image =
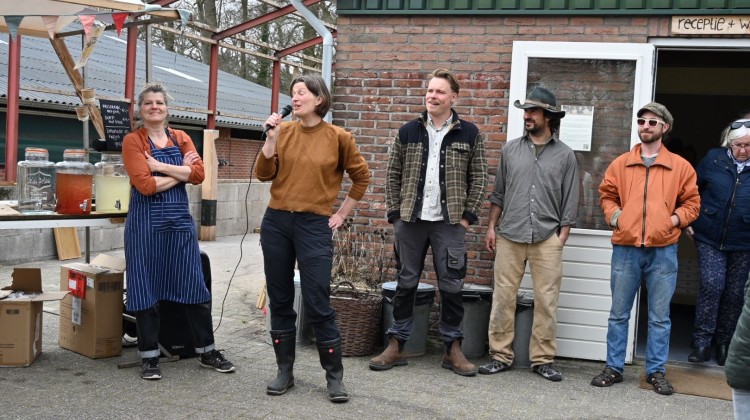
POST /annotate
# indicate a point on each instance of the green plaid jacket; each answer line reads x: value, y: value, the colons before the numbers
x: 463, y: 169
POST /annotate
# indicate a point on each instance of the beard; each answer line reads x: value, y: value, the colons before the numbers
x: 534, y: 129
x: 649, y: 138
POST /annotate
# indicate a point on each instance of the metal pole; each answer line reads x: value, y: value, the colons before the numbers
x: 11, y: 116
x: 327, y: 43
x: 149, y: 55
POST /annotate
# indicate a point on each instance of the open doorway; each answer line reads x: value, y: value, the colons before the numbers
x: 704, y: 89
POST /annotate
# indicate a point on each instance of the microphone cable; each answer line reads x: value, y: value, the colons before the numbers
x: 247, y: 227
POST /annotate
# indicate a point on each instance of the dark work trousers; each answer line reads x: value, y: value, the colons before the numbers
x: 199, y: 318
x: 286, y: 237
x: 449, y: 259
x: 721, y: 294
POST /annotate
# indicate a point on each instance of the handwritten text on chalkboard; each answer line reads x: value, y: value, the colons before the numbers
x: 116, y: 119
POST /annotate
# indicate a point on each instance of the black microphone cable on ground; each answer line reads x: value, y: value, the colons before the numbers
x: 283, y: 112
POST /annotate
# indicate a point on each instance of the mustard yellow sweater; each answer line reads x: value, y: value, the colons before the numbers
x: 309, y: 165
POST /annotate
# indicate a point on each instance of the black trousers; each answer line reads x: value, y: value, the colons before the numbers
x: 289, y: 237
x: 198, y: 316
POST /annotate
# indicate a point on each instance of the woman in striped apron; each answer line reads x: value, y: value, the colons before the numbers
x: 161, y: 246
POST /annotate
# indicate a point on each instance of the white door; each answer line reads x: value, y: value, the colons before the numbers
x: 614, y: 81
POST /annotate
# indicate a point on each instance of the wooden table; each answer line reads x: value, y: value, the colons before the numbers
x: 37, y: 221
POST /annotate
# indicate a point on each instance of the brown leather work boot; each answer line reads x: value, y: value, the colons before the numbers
x: 455, y: 360
x: 393, y: 355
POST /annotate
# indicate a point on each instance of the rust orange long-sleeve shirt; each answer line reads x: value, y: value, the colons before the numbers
x: 309, y: 165
x: 137, y: 142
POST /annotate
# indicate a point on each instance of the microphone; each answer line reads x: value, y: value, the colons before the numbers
x: 283, y: 113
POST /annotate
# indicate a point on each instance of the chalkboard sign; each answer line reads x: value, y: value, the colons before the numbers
x: 116, y: 119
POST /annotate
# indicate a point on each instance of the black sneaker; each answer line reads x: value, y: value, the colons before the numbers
x: 549, y: 372
x: 214, y: 359
x: 150, y: 368
x: 494, y: 366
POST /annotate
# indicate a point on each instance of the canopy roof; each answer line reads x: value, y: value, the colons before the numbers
x: 66, y: 12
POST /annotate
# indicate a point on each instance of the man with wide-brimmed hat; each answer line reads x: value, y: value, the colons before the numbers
x: 536, y: 193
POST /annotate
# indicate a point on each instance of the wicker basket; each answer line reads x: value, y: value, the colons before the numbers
x: 358, y: 316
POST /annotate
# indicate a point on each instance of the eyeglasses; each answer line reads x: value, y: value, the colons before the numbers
x: 745, y: 146
x: 651, y: 122
x: 737, y: 124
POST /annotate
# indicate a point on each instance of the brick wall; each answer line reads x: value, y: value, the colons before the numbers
x: 236, y: 157
x: 382, y: 63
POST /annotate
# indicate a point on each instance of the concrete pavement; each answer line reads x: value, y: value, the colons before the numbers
x: 63, y: 384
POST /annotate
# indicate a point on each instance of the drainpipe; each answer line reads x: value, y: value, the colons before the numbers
x: 327, y: 43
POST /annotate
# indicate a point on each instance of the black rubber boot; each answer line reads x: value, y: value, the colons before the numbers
x: 330, y: 359
x: 284, y: 345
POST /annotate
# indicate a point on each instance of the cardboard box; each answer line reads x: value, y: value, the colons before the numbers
x: 21, y: 317
x: 91, y: 315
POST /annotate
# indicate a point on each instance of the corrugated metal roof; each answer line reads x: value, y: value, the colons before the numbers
x: 105, y: 72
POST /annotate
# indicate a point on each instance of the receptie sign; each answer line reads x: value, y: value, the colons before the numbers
x: 711, y: 25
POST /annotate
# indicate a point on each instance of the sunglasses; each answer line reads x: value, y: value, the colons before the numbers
x: 737, y: 124
x: 649, y: 121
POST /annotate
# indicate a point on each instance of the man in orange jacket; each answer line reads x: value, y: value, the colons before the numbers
x: 648, y: 196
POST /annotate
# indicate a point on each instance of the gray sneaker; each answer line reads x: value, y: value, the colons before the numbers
x: 494, y: 366
x: 549, y: 372
x: 150, y: 368
x: 215, y: 359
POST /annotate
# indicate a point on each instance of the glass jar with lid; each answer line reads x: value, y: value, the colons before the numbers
x: 36, y: 183
x: 111, y: 184
x: 75, y: 178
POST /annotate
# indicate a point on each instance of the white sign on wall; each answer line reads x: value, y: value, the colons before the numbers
x: 577, y: 127
x: 711, y: 25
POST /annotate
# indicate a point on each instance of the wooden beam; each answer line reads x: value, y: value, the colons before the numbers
x: 238, y: 116
x: 210, y: 186
x: 69, y: 93
x: 75, y: 77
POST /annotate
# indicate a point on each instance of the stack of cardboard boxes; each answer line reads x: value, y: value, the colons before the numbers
x: 90, y: 311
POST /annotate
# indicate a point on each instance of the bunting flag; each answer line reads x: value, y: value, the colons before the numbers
x: 95, y: 32
x: 87, y: 18
x: 13, y: 23
x: 119, y: 19
x: 184, y: 16
x: 50, y: 22
x: 87, y: 21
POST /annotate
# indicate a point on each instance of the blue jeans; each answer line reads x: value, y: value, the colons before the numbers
x: 741, y: 398
x: 658, y: 267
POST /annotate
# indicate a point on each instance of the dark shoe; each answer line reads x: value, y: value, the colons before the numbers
x: 214, y: 359
x: 455, y: 360
x: 330, y: 360
x: 549, y: 372
x: 150, y: 368
x: 608, y: 377
x: 700, y: 354
x: 284, y: 346
x: 721, y: 354
x: 393, y: 355
x: 494, y: 366
x: 660, y: 383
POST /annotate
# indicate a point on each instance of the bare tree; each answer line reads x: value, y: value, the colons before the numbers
x: 261, y: 42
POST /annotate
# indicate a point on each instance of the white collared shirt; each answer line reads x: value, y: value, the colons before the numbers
x: 431, y: 209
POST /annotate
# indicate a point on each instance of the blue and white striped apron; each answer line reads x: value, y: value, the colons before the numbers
x: 161, y: 246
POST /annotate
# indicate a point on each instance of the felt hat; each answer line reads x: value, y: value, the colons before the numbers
x: 540, y: 97
x: 660, y: 110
